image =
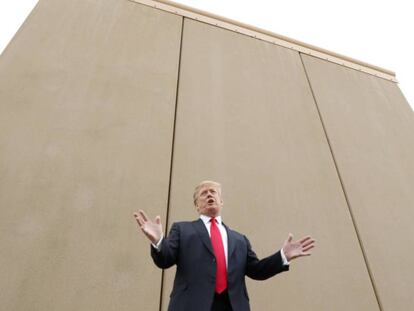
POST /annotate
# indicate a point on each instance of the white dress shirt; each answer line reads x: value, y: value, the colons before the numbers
x: 223, y: 231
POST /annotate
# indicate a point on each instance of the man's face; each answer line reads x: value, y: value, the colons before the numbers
x: 209, y: 202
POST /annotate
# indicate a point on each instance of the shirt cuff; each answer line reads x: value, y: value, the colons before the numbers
x: 158, y: 245
x: 285, y: 262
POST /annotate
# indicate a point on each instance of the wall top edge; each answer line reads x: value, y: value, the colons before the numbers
x: 265, y: 35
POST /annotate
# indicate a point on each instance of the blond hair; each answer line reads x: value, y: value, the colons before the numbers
x: 200, y: 185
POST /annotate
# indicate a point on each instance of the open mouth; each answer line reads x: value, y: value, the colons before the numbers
x: 210, y: 201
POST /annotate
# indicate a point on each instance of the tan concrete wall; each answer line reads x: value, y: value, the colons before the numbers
x: 87, y: 103
x: 254, y: 127
x: 87, y: 119
x: 371, y: 129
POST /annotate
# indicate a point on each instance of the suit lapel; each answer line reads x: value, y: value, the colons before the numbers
x: 203, y: 234
x: 231, y: 242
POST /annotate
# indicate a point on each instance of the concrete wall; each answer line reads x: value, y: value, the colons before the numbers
x: 111, y: 106
x: 87, y: 105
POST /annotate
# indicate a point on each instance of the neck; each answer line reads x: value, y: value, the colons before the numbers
x: 209, y: 216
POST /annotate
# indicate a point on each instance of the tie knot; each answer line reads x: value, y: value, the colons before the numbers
x: 213, y: 220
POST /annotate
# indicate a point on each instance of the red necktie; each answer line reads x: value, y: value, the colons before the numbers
x: 217, y: 242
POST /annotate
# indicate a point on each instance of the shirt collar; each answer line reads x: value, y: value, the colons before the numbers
x: 206, y: 219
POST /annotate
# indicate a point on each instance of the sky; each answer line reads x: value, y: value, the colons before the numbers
x: 375, y: 32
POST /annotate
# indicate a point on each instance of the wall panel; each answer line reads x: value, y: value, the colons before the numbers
x: 371, y: 129
x: 87, y: 99
x: 246, y: 118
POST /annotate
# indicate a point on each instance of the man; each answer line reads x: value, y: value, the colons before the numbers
x: 212, y: 260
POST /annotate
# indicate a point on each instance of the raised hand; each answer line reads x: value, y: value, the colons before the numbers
x: 152, y: 229
x: 299, y: 248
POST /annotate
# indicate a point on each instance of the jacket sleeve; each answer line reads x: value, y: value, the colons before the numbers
x: 264, y: 268
x: 167, y: 254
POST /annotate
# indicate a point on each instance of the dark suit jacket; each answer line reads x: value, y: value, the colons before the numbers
x: 189, y: 247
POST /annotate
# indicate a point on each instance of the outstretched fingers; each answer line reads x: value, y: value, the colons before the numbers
x: 304, y: 239
x: 143, y: 215
x: 308, y: 242
x: 306, y: 254
x: 139, y: 219
x: 142, y: 220
x: 309, y: 247
x: 298, y: 248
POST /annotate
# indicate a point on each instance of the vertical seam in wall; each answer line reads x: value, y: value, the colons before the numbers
x: 172, y: 152
x: 343, y: 189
